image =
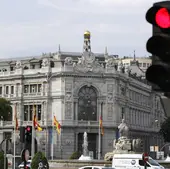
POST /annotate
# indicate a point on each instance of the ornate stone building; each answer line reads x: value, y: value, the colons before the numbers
x: 77, y: 88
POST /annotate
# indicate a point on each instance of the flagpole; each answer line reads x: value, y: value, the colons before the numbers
x: 99, y: 146
x: 52, y: 142
x: 15, y: 125
x: 33, y: 135
x: 52, y: 145
x: 14, y: 145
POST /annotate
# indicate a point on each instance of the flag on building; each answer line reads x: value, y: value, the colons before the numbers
x: 35, y: 122
x: 101, y: 125
x: 57, y: 124
x: 16, y: 118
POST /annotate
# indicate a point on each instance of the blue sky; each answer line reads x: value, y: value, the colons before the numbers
x: 31, y: 27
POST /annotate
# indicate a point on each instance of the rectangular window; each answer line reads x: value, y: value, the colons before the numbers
x: 39, y: 112
x: 26, y: 87
x: 7, y: 90
x: 30, y: 112
x: 39, y: 88
x: 144, y: 64
x: 11, y: 68
x: 0, y: 90
x: 123, y: 111
x: 33, y: 88
x: 25, y: 112
x: 12, y: 89
x: 140, y: 64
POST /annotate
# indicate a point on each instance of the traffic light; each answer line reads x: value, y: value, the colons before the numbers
x: 159, y: 45
x: 22, y: 134
x: 28, y: 134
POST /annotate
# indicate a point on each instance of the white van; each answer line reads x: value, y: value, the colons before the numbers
x: 133, y: 161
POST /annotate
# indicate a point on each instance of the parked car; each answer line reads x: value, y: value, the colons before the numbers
x: 28, y: 164
x: 96, y: 167
x: 133, y: 161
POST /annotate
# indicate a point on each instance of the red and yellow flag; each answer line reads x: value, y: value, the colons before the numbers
x: 101, y: 125
x: 57, y: 124
x: 35, y: 122
x: 16, y: 118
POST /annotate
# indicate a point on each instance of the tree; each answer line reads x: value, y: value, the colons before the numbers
x: 165, y: 130
x: 5, y: 109
x: 39, y: 157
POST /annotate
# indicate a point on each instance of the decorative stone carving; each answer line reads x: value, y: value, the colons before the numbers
x: 136, y: 144
x: 88, y: 63
x: 110, y: 63
x: 124, y: 144
x: 127, y: 70
x: 123, y: 91
x: 18, y: 64
x: 68, y: 97
x: 109, y: 97
x: 68, y: 61
x: 45, y: 62
x: 68, y: 110
x: 123, y: 129
x: 109, y: 88
x: 68, y: 87
x: 110, y: 109
x: 120, y: 67
x: 68, y: 142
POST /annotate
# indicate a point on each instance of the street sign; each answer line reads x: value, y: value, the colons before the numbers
x: 25, y: 155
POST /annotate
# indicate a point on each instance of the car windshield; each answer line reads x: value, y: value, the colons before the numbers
x: 153, y: 162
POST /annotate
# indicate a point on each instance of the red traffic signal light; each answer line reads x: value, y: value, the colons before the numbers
x: 159, y: 16
x: 162, y: 18
x: 28, y: 128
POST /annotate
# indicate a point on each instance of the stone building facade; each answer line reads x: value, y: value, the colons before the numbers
x: 78, y: 88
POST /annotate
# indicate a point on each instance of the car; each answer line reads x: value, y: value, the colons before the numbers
x: 28, y: 165
x: 96, y: 167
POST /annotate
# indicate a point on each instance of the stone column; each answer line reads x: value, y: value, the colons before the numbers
x: 76, y: 141
x: 42, y: 113
x: 28, y: 114
x: 76, y: 109
x: 1, y: 135
x: 45, y: 113
x: 3, y: 90
x: 20, y: 110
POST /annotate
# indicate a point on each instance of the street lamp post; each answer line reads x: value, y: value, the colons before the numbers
x: 48, y: 78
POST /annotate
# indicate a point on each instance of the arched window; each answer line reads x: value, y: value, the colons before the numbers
x: 87, y: 104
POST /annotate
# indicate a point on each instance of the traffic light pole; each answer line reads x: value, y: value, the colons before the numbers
x: 33, y: 141
x: 5, y: 155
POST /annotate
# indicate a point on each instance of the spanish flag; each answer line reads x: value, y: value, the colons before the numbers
x: 57, y: 124
x: 101, y: 125
x: 16, y: 118
x: 35, y: 122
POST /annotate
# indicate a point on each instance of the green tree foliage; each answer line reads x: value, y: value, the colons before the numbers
x: 165, y: 130
x: 75, y: 155
x: 5, y: 109
x: 2, y: 161
x: 39, y: 157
